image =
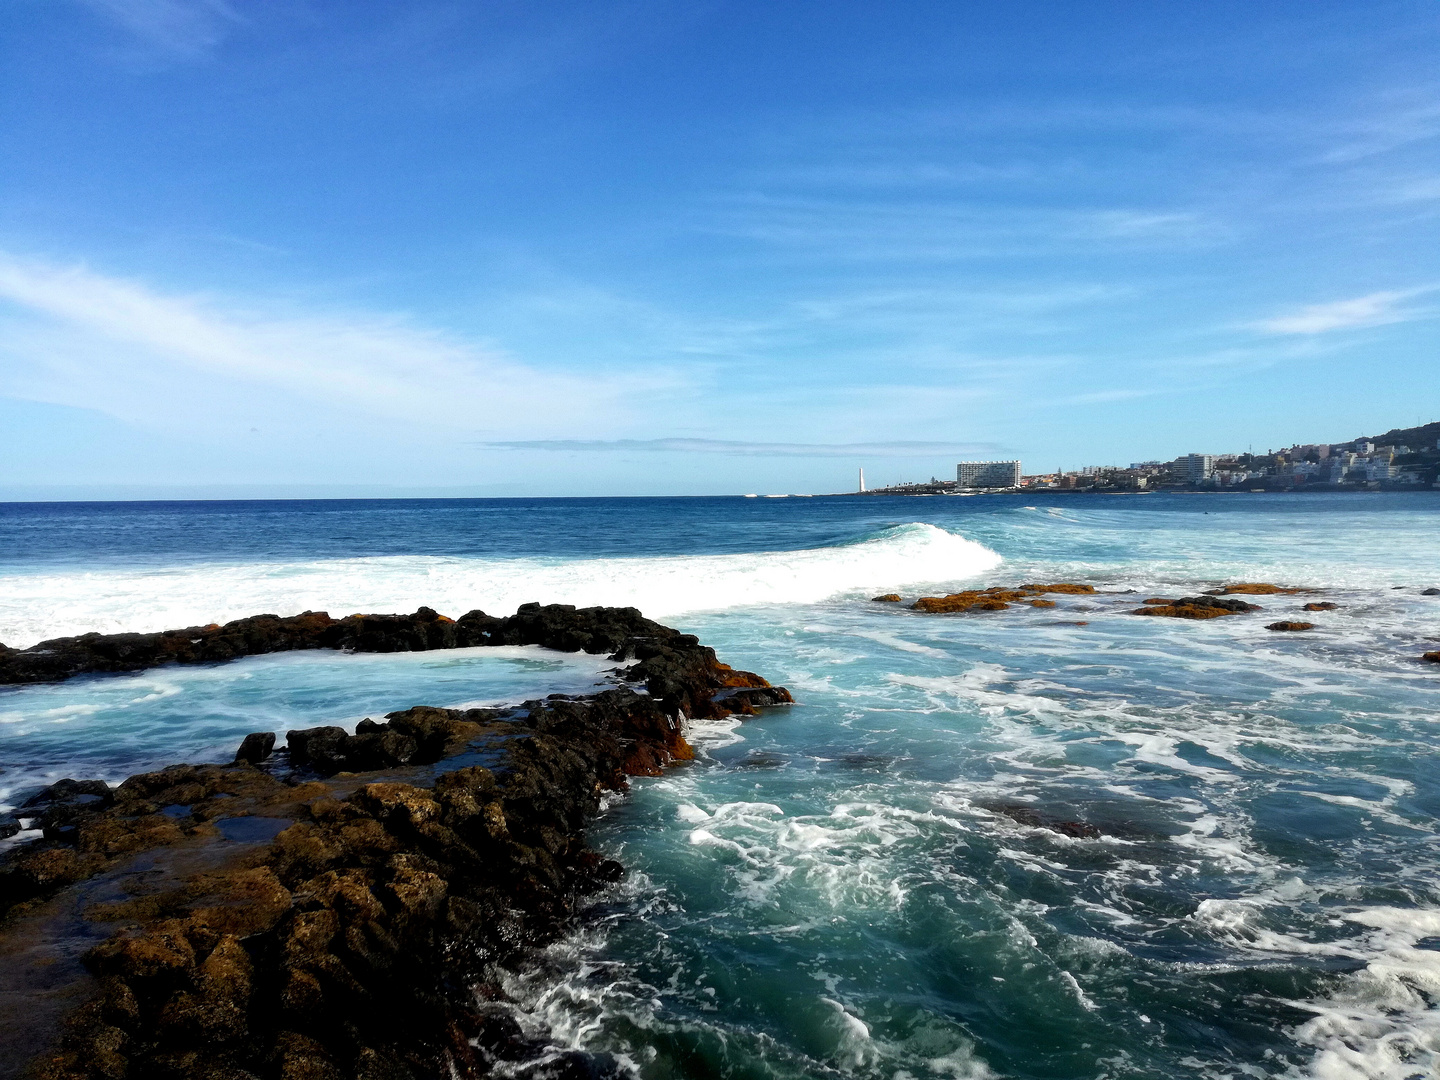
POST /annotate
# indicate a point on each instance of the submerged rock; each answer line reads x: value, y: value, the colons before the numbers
x: 1255, y: 589
x: 1284, y: 626
x: 1324, y: 605
x: 1035, y: 818
x: 1430, y: 592
x: 1433, y: 657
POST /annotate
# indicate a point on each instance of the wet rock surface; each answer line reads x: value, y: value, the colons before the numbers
x: 1290, y: 626
x: 555, y: 626
x: 1207, y: 606
x: 347, y: 909
x: 996, y: 598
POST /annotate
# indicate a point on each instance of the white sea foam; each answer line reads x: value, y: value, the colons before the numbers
x: 36, y: 605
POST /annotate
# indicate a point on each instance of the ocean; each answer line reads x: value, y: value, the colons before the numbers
x: 876, y: 882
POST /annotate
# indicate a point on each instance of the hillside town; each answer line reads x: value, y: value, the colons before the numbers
x: 1402, y: 459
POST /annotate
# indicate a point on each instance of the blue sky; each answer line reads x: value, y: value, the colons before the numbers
x: 312, y: 247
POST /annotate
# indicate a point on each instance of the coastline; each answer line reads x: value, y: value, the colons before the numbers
x: 295, y: 915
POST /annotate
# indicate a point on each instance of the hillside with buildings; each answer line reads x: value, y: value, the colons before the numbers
x: 1400, y: 459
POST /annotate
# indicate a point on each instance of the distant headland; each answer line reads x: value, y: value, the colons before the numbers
x: 1403, y: 459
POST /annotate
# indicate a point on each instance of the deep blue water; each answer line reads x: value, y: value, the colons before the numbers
x: 843, y: 888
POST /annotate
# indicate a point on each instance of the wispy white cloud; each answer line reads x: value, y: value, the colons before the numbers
x: 1373, y: 309
x: 77, y: 337
x: 749, y: 449
x: 186, y: 27
x: 1399, y: 120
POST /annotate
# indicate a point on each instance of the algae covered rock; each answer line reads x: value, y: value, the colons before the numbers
x: 1198, y: 607
x: 996, y: 598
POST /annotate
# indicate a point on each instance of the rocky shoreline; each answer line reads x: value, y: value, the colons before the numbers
x: 345, y: 906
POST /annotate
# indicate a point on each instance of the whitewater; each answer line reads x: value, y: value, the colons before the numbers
x: 869, y: 884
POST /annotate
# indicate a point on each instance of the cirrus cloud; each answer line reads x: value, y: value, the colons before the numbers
x: 1372, y: 309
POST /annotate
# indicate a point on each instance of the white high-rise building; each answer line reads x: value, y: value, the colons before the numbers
x: 999, y: 474
x: 1199, y: 467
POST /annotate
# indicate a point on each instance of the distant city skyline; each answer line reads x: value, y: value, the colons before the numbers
x: 313, y: 248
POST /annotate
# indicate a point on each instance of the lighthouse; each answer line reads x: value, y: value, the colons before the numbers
x: 862, y: 479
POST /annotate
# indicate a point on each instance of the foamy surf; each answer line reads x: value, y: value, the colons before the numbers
x: 35, y: 606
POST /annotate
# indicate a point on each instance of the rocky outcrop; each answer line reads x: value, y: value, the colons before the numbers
x: 1324, y: 605
x: 1290, y: 627
x: 556, y: 626
x: 299, y: 920
x: 1196, y: 607
x: 888, y: 598
x: 996, y: 598
x: 1433, y: 657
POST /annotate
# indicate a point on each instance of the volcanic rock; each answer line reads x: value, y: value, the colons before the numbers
x: 1198, y: 607
x: 256, y: 747
x: 1290, y: 626
x: 995, y: 598
x: 1324, y: 605
x: 291, y: 927
x: 888, y: 598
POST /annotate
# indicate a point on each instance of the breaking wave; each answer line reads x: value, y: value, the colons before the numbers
x: 34, y: 606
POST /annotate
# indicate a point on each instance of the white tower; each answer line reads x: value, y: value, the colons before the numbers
x: 862, y: 479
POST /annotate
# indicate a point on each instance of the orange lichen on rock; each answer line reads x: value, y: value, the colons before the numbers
x: 888, y: 598
x: 1323, y: 606
x: 1197, y: 607
x: 1288, y: 626
x: 729, y: 677
x: 1433, y: 657
x: 994, y: 598
x: 1251, y: 588
x: 1182, y: 611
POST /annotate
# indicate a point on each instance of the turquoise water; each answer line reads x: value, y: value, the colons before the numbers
x: 843, y: 888
x: 111, y: 726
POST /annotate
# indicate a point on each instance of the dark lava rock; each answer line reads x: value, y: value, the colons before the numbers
x: 60, y: 808
x: 1324, y: 605
x: 1198, y: 607
x: 1433, y: 657
x: 1431, y: 592
x: 888, y: 598
x: 256, y: 747
x: 556, y: 626
x: 351, y: 942
x: 1290, y: 626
